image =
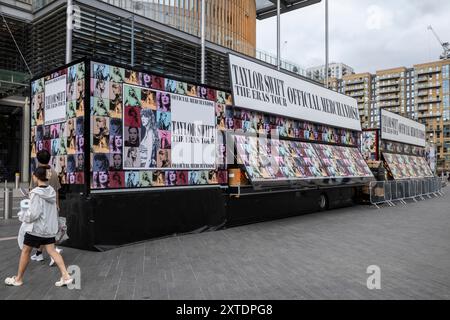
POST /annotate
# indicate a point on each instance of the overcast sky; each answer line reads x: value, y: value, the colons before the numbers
x: 366, y: 35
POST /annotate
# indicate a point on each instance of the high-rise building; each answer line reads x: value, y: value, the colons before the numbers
x: 432, y: 106
x: 231, y: 24
x: 335, y: 70
x: 420, y: 93
x: 390, y: 85
x: 359, y: 86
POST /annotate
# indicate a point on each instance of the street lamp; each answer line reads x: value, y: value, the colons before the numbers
x: 326, y: 43
x: 278, y: 35
x: 203, y: 41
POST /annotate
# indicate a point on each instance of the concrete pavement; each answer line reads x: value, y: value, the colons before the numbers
x: 316, y: 256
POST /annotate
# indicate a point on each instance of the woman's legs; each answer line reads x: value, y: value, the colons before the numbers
x: 23, y: 262
x: 50, y: 248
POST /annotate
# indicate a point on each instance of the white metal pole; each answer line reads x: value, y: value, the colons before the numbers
x: 203, y: 42
x: 278, y: 36
x: 132, y: 39
x: 326, y: 43
x: 26, y: 141
x: 69, y: 28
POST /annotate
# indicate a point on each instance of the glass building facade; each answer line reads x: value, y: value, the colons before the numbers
x: 229, y: 23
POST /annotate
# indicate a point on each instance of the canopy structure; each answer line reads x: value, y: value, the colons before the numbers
x: 268, y: 8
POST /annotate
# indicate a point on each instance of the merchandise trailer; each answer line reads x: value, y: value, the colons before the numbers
x: 400, y: 144
x: 143, y: 156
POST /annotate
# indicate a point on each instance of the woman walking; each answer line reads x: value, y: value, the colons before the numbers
x: 41, y: 227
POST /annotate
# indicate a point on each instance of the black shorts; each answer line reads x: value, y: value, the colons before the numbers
x: 36, y: 242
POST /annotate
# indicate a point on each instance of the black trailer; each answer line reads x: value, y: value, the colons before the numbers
x: 143, y: 156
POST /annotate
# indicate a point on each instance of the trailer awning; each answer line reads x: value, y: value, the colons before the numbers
x: 290, y: 162
x: 403, y: 166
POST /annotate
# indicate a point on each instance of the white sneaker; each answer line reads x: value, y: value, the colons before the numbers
x: 35, y: 257
x: 52, y: 262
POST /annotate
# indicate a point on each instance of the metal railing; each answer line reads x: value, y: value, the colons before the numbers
x: 390, y: 192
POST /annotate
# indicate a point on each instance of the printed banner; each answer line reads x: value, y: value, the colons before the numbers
x: 264, y: 89
x: 167, y: 130
x: 401, y: 129
x: 369, y: 145
x: 55, y: 100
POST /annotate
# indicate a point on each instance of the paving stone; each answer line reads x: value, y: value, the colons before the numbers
x: 317, y: 256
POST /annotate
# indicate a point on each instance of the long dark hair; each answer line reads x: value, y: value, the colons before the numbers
x: 41, y: 173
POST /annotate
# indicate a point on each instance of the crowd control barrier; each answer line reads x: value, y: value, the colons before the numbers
x: 399, y: 191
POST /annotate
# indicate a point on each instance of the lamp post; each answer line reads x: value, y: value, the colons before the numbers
x: 278, y: 36
x: 326, y: 43
x: 132, y: 39
x: 69, y: 31
x: 203, y: 41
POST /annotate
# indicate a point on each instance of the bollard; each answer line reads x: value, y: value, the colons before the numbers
x: 17, y: 180
x: 8, y: 203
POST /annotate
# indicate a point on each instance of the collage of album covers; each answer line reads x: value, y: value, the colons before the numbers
x: 401, y: 166
x: 369, y: 145
x: 132, y: 129
x: 266, y: 159
x: 243, y: 121
x: 64, y: 137
x: 401, y: 148
x: 343, y: 162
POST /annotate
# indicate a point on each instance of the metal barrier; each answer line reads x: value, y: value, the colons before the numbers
x: 389, y: 192
x: 377, y: 190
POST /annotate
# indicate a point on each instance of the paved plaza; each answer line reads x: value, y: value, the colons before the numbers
x: 317, y: 256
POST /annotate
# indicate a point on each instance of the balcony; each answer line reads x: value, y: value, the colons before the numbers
x: 431, y: 130
x: 356, y: 94
x: 354, y: 81
x: 423, y: 108
x: 362, y: 104
x: 390, y: 90
x: 431, y: 100
x: 353, y: 88
x: 382, y: 84
x: 427, y: 115
x: 389, y: 104
x: 389, y: 97
x: 428, y: 71
x: 422, y: 79
x: 389, y: 76
x: 360, y: 100
x: 429, y: 85
x: 422, y: 93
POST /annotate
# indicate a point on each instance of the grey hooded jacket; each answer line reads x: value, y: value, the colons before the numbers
x: 43, y: 213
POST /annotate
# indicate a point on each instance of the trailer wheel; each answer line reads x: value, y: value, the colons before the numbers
x: 323, y: 202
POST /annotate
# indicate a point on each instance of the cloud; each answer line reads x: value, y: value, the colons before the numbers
x: 378, y: 18
x: 368, y: 35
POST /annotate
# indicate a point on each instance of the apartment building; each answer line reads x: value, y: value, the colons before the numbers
x: 335, y: 70
x: 391, y: 90
x: 359, y: 86
x: 433, y: 106
x: 420, y: 93
x: 335, y: 84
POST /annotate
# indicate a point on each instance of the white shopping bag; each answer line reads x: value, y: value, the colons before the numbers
x: 25, y: 227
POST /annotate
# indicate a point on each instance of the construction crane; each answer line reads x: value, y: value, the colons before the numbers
x: 445, y: 45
